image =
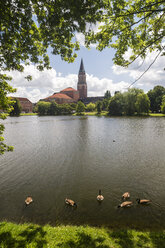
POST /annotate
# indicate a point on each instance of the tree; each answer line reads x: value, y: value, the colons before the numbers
x: 155, y: 97
x: 16, y: 108
x: 80, y: 107
x: 5, y: 107
x: 99, y: 107
x: 90, y: 107
x: 138, y: 25
x: 107, y: 94
x: 163, y: 105
x: 43, y: 107
x: 64, y: 109
x: 116, y: 105
x: 142, y: 103
x: 130, y: 98
x: 53, y: 108
x: 105, y: 103
x: 28, y: 28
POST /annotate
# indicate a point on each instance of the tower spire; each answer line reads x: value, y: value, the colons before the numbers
x: 82, y: 66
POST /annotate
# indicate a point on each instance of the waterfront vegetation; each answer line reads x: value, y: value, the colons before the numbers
x: 130, y: 103
x: 34, y: 236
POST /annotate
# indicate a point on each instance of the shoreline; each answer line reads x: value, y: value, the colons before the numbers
x: 104, y: 113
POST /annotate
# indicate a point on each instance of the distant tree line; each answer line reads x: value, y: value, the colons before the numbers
x: 52, y: 108
x: 132, y: 102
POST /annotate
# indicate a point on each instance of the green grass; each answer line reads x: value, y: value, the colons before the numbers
x: 103, y: 113
x: 156, y: 115
x: 35, y: 236
x: 24, y: 114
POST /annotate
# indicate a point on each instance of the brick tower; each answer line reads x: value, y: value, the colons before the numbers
x: 82, y: 85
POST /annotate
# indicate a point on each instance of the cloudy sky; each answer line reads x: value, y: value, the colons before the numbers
x: 101, y: 74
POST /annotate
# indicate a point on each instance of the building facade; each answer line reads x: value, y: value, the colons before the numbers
x: 26, y: 104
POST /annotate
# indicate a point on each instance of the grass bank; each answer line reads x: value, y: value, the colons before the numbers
x: 26, y: 114
x: 35, y: 236
x: 157, y: 115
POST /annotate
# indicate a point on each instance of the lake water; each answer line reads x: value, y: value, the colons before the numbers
x: 74, y: 157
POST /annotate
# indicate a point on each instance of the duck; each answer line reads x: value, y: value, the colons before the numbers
x: 143, y: 201
x: 126, y: 195
x: 28, y: 200
x: 70, y: 202
x: 100, y: 197
x: 125, y: 204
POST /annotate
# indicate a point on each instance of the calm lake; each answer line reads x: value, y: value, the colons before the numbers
x: 74, y: 157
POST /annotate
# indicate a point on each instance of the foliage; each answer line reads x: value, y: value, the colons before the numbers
x: 116, y: 105
x: 99, y: 106
x: 155, y: 97
x: 130, y: 98
x: 142, y: 104
x: 107, y: 94
x: 5, y: 107
x: 43, y: 107
x: 105, y: 103
x: 73, y: 106
x: 90, y: 107
x: 80, y: 107
x: 31, y: 235
x: 163, y: 105
x: 64, y: 109
x: 138, y: 25
x: 16, y: 108
x: 29, y: 27
x: 53, y: 108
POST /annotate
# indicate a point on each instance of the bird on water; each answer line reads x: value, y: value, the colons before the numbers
x: 143, y: 201
x: 126, y: 195
x: 100, y: 197
x: 28, y: 200
x: 125, y: 204
x: 70, y: 202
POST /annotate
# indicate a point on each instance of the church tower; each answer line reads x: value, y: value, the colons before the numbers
x: 82, y: 85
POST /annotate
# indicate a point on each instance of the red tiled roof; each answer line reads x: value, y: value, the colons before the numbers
x: 68, y: 89
x: 59, y: 95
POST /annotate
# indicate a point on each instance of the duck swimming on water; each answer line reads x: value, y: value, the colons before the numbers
x: 70, y: 202
x: 143, y: 201
x: 100, y: 197
x: 125, y: 204
x: 126, y: 195
x: 28, y: 200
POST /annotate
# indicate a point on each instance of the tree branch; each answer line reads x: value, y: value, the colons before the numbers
x: 147, y: 68
x: 145, y: 49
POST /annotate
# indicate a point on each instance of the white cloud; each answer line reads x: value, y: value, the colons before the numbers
x: 47, y: 82
x: 154, y: 76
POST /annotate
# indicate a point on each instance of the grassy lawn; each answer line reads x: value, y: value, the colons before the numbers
x: 156, y: 115
x: 103, y: 113
x: 24, y: 114
x: 30, y: 236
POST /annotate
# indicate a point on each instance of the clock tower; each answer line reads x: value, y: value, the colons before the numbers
x: 82, y: 85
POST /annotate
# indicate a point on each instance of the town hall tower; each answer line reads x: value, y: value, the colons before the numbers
x: 82, y: 85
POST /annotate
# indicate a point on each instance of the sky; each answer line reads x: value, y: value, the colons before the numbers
x: 101, y: 74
